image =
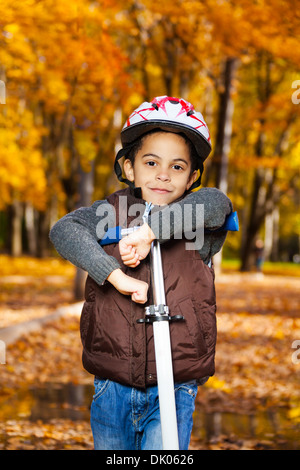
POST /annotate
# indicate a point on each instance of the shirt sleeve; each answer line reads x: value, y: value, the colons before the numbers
x: 75, y: 237
x: 213, y: 205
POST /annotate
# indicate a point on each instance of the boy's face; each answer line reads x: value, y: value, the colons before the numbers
x: 162, y: 168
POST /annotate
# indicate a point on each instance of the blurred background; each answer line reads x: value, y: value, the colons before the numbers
x: 70, y: 74
x: 73, y: 72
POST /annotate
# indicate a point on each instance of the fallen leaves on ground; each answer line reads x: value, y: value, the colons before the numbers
x: 257, y: 367
x: 255, y: 376
x: 33, y: 288
x: 54, y: 435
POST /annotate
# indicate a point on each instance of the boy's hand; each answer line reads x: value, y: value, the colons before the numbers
x: 129, y: 286
x: 136, y: 246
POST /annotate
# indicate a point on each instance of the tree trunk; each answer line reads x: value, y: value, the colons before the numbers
x: 265, y: 196
x: 30, y: 229
x: 224, y: 125
x: 223, y: 139
x: 43, y: 244
x: 262, y: 203
x: 275, y: 247
x: 272, y: 235
x: 16, y: 213
x: 86, y: 188
x: 259, y: 198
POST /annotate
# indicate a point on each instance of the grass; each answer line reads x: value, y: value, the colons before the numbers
x: 27, y: 265
x: 30, y: 266
x: 280, y: 268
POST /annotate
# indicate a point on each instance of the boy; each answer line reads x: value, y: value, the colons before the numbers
x: 164, y: 144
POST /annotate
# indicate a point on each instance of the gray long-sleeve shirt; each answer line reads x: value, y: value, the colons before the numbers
x: 76, y: 236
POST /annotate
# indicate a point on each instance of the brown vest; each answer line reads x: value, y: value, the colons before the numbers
x: 118, y: 348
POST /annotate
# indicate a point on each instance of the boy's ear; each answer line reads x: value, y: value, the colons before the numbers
x: 192, y: 179
x: 128, y: 170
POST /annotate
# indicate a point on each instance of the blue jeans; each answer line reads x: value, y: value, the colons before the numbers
x: 126, y: 418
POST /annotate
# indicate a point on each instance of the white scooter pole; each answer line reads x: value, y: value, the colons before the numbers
x: 163, y: 358
x: 158, y: 315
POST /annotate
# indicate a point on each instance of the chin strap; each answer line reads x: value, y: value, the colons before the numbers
x: 117, y: 167
x: 198, y: 181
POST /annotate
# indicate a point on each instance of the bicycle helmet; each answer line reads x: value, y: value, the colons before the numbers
x: 169, y: 114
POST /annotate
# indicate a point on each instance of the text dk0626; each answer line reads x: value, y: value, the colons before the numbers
x: 169, y: 459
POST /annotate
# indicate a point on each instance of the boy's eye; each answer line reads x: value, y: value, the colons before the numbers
x: 177, y: 167
x: 153, y: 163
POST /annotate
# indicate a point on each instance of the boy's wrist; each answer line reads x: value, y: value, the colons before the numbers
x: 115, y: 276
x: 147, y: 232
x: 129, y: 286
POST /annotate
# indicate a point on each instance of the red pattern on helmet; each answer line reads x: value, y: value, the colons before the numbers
x: 185, y: 106
x: 201, y: 125
x: 160, y: 103
x: 139, y: 113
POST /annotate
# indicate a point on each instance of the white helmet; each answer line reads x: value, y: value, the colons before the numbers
x: 170, y: 114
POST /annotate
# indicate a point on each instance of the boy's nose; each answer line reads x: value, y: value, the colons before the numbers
x: 163, y: 176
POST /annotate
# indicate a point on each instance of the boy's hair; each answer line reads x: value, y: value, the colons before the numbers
x: 139, y: 142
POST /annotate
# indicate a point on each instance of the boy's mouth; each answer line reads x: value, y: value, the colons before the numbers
x: 160, y: 190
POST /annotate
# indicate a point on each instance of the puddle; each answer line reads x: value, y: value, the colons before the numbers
x: 54, y: 401
x: 272, y: 428
x: 72, y: 402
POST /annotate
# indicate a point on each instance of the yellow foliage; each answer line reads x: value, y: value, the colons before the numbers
x: 218, y: 384
x: 86, y: 148
x: 30, y: 266
x: 294, y: 413
x: 69, y: 65
x: 22, y: 171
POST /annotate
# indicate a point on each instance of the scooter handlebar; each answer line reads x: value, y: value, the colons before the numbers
x: 231, y: 223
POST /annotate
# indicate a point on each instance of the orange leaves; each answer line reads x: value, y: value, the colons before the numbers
x: 78, y: 61
x: 257, y: 25
x: 257, y: 324
x: 57, y: 434
x: 58, y: 59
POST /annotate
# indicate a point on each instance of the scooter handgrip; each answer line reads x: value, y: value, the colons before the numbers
x: 231, y: 223
x: 113, y: 235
